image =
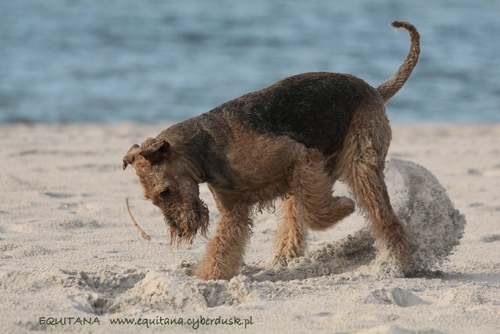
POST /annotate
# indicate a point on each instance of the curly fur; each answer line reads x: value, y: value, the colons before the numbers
x: 291, y: 140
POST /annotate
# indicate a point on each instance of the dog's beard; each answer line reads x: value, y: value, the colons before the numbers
x: 186, y: 221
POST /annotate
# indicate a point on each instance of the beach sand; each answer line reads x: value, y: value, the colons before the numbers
x: 71, y: 261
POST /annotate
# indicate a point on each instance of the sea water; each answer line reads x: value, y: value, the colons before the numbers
x: 155, y: 60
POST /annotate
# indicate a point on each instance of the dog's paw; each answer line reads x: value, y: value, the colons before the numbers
x: 278, y: 261
x: 385, y: 266
x: 346, y: 203
x: 208, y: 270
x: 208, y: 275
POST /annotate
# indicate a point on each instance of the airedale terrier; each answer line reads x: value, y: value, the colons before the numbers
x: 292, y: 140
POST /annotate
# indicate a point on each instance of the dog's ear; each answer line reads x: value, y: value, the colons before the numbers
x: 156, y: 151
x: 130, y: 156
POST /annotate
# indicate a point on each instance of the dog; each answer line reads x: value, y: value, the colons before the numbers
x: 291, y: 141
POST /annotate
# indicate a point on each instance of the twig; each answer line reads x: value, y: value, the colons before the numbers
x: 141, y: 231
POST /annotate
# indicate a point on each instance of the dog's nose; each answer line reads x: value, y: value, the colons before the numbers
x: 179, y: 233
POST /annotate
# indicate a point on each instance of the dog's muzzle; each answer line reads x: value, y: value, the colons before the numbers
x: 173, y: 224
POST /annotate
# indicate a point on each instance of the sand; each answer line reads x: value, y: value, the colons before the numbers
x: 71, y: 260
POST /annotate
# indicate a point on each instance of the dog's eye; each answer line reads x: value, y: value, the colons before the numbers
x: 164, y: 194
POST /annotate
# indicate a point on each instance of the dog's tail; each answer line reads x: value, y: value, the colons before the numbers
x: 389, y: 88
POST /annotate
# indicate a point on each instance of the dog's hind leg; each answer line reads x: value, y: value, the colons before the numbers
x: 225, y: 250
x: 292, y: 232
x: 363, y: 161
x: 313, y: 188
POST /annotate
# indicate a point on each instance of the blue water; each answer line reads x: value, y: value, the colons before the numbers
x: 150, y: 60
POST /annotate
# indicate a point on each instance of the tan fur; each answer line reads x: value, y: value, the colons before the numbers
x: 312, y: 188
x: 251, y: 157
x: 292, y: 232
x: 390, y: 87
x: 362, y: 164
x: 225, y: 250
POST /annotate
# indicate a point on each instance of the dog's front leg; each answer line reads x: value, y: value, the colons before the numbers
x: 225, y: 250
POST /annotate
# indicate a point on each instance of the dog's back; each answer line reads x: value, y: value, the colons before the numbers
x: 314, y: 109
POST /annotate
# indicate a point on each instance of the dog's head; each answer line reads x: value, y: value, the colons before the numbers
x: 171, y: 183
